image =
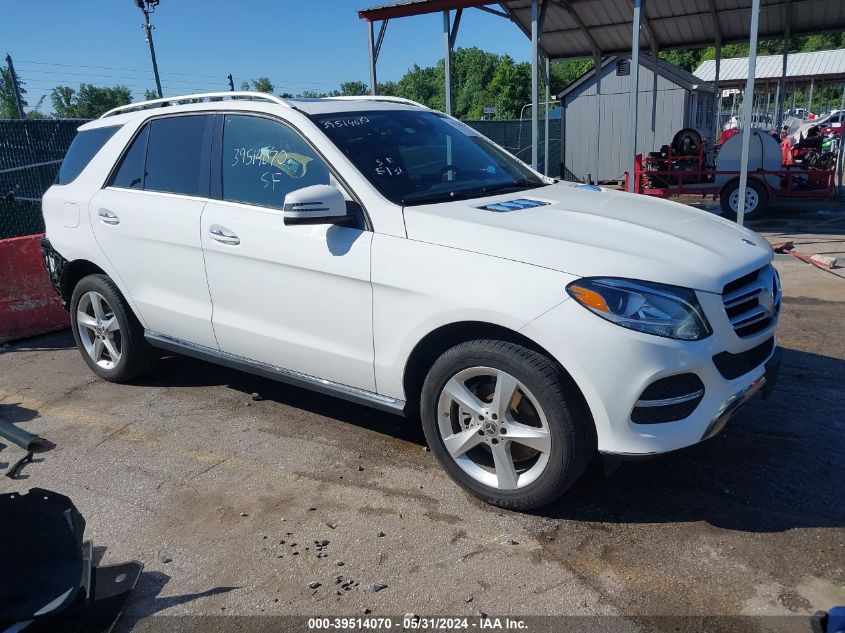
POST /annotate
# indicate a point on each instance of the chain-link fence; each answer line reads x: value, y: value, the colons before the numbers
x: 30, y: 155
x: 515, y: 136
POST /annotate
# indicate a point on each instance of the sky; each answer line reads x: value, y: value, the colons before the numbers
x: 299, y: 44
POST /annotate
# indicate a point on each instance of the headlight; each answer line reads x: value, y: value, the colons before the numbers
x: 643, y: 306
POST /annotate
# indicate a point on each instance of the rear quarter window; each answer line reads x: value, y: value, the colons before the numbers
x: 83, y: 148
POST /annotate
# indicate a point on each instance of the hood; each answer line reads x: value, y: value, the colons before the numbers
x: 588, y: 231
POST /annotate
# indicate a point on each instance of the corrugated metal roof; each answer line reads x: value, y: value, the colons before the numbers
x: 798, y: 65
x: 673, y: 73
x: 667, y: 23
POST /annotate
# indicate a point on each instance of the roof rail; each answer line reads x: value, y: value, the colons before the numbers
x: 379, y: 98
x: 141, y: 105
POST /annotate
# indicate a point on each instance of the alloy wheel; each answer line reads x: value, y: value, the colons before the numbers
x: 494, y: 428
x: 99, y: 330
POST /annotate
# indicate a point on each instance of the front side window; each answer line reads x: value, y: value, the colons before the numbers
x: 264, y: 160
x: 417, y: 157
x: 84, y: 147
x: 174, y: 154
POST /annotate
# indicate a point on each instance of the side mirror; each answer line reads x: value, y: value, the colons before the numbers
x: 318, y: 204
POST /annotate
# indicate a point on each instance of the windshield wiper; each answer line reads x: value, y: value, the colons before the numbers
x: 472, y: 192
x: 443, y: 196
x: 520, y: 183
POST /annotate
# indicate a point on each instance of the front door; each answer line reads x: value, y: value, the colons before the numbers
x: 295, y: 297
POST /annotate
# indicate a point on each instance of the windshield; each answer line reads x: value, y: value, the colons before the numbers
x: 418, y: 157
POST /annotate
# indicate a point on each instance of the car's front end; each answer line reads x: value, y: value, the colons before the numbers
x: 661, y: 382
x: 664, y: 316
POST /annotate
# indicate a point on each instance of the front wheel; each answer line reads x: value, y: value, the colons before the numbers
x: 505, y: 423
x: 756, y: 200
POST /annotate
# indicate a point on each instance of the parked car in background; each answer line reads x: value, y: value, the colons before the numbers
x: 378, y: 251
x: 799, y: 113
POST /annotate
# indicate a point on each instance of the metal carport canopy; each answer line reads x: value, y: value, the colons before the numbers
x: 580, y: 28
x: 560, y: 29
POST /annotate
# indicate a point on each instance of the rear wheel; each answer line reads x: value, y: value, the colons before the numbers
x: 505, y: 423
x: 109, y: 337
x: 756, y: 200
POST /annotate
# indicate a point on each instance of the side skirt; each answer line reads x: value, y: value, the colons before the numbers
x: 298, y: 379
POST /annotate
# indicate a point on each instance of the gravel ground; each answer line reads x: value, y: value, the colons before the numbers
x: 239, y: 506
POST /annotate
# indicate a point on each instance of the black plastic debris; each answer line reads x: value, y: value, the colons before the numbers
x: 49, y: 582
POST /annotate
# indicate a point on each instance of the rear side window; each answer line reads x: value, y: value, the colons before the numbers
x: 174, y: 154
x: 130, y: 173
x: 83, y: 148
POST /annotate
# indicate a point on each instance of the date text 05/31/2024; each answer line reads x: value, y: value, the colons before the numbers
x: 410, y: 622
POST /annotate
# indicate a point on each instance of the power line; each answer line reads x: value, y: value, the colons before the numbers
x: 133, y: 70
x: 183, y: 74
x: 118, y: 77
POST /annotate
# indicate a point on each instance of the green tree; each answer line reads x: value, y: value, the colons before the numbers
x: 149, y: 95
x: 387, y: 88
x: 509, y: 88
x: 89, y: 101
x: 8, y: 104
x: 353, y: 88
x: 424, y: 85
x: 262, y: 84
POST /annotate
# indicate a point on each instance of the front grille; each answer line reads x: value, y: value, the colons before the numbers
x: 735, y: 365
x: 668, y: 399
x: 752, y: 302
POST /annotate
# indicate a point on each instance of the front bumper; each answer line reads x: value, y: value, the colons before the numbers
x: 613, y: 366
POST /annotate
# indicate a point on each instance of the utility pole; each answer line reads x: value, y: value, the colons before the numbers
x: 14, y: 78
x: 148, y: 8
x: 231, y: 82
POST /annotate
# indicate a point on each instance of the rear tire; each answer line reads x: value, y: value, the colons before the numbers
x: 107, y: 333
x: 756, y: 200
x: 519, y: 451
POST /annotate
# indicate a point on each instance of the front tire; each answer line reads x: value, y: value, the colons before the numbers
x: 505, y: 423
x: 107, y: 333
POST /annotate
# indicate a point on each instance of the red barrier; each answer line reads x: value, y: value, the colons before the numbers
x: 28, y: 303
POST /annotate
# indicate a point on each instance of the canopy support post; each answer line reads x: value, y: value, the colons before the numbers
x: 747, y: 104
x: 717, y: 92
x: 768, y: 97
x: 787, y: 20
x: 535, y: 37
x: 597, y: 66
x: 810, y: 98
x: 634, y: 94
x: 447, y: 61
x: 841, y: 151
x: 372, y: 47
x: 546, y: 130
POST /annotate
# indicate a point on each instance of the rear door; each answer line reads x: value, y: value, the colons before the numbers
x: 147, y: 221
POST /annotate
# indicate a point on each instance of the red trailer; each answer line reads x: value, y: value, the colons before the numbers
x: 689, y: 167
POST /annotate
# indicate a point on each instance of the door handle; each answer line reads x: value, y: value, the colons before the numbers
x: 107, y: 217
x: 223, y: 235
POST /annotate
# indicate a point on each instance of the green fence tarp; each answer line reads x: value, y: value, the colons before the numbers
x: 515, y: 136
x: 30, y: 155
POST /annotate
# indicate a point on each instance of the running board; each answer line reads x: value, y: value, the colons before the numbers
x: 298, y: 379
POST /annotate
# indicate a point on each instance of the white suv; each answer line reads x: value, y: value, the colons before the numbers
x: 375, y: 250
